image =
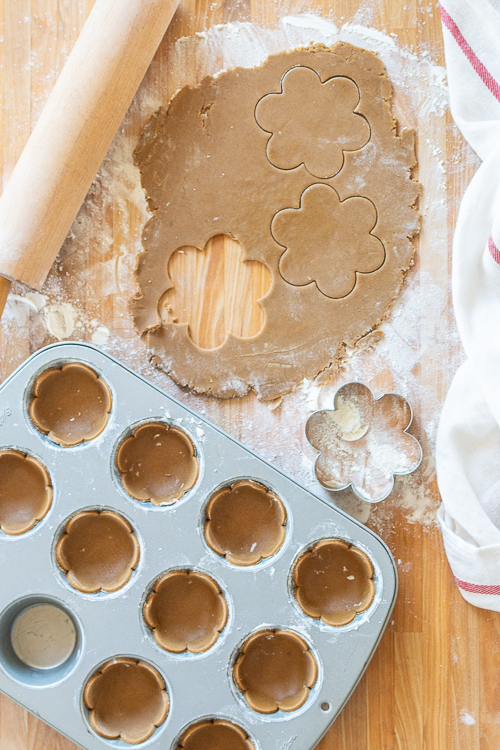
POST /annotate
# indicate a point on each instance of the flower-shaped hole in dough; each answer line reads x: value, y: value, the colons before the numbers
x: 215, y: 734
x: 98, y: 551
x: 215, y: 292
x: 245, y: 522
x: 328, y: 241
x: 70, y: 404
x: 312, y: 123
x: 333, y: 581
x: 275, y: 670
x: 363, y: 442
x: 127, y: 700
x: 186, y: 611
x: 157, y: 463
x: 25, y: 492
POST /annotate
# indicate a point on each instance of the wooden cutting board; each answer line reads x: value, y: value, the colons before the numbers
x: 434, y: 681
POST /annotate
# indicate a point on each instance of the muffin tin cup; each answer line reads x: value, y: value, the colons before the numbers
x: 172, y: 537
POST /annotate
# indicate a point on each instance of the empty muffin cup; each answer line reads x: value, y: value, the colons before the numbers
x: 275, y: 670
x: 43, y: 636
x: 215, y: 734
x: 98, y: 551
x: 25, y: 491
x: 127, y: 699
x: 245, y: 522
x: 186, y: 611
x: 333, y: 581
x: 157, y: 463
x: 70, y: 404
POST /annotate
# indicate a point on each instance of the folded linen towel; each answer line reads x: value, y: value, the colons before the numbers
x: 468, y: 442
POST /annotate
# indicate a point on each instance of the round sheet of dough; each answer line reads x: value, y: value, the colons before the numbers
x: 299, y: 161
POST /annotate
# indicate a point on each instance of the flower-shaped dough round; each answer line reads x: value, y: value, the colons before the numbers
x: 328, y: 241
x: 25, y: 492
x: 333, y: 581
x: 363, y: 442
x: 127, y: 699
x: 275, y: 670
x: 98, y: 551
x: 215, y: 734
x: 157, y: 463
x: 70, y: 404
x: 186, y: 611
x: 245, y: 522
x: 312, y: 122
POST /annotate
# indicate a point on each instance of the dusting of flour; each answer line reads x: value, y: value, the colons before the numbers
x: 87, y: 293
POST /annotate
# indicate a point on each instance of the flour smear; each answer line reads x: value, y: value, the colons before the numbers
x: 98, y: 249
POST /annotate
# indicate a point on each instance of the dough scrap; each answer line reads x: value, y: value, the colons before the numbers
x: 205, y: 168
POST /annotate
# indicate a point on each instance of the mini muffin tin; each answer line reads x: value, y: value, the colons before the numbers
x: 259, y: 596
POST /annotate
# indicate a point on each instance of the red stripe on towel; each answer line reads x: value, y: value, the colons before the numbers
x: 477, y: 588
x: 476, y: 63
x: 494, y: 251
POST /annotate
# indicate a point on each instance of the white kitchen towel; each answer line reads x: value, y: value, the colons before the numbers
x: 468, y: 442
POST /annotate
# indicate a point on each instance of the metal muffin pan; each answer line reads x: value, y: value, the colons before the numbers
x: 108, y: 625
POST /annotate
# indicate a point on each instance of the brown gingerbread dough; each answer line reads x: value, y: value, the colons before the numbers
x: 127, y: 699
x: 25, y: 492
x: 98, y: 551
x: 275, y: 671
x: 186, y: 611
x: 70, y: 404
x: 157, y: 463
x: 215, y: 734
x: 334, y: 581
x: 299, y: 160
x: 245, y: 522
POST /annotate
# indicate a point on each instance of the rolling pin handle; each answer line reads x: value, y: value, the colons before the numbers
x: 5, y: 285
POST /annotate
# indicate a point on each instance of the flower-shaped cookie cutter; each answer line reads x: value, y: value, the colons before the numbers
x: 363, y: 442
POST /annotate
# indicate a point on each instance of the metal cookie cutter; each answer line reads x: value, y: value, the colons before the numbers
x: 363, y: 442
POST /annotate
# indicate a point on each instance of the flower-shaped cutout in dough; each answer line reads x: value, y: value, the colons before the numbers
x: 275, y: 670
x: 363, y: 442
x: 127, y: 700
x: 186, y: 611
x: 328, y: 241
x: 333, y: 581
x: 215, y: 292
x: 312, y: 122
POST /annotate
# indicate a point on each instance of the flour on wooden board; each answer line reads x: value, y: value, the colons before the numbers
x: 105, y: 250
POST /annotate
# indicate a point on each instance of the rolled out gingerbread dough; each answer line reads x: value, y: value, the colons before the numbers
x: 300, y: 161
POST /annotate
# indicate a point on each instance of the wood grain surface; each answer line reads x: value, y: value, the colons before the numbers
x: 433, y: 683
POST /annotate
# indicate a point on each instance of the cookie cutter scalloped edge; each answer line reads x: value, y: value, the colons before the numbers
x: 396, y: 473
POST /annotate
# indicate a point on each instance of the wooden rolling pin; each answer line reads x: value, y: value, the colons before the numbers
x: 74, y: 131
